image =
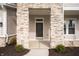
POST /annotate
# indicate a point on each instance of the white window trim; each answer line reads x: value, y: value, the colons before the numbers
x: 70, y: 37
x: 39, y: 22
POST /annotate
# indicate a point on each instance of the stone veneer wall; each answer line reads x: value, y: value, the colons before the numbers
x: 22, y: 25
x: 57, y: 22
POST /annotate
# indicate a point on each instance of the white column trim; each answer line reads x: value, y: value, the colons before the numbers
x: 5, y: 21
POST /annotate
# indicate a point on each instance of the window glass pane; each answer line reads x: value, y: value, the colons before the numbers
x: 70, y: 22
x: 1, y: 24
x: 39, y: 19
x: 71, y: 30
x: 71, y: 27
x: 64, y: 28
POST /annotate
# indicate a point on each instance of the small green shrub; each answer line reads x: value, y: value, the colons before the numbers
x: 19, y: 48
x: 60, y: 48
x: 12, y: 40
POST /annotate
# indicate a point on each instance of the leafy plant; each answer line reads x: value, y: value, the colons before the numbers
x: 19, y: 48
x: 60, y: 48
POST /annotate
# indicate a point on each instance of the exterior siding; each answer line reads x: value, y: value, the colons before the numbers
x: 9, y: 27
x: 11, y: 21
x: 54, y: 29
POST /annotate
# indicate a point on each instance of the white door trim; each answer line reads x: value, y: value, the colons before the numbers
x: 39, y: 22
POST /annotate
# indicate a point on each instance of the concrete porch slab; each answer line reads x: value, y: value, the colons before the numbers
x: 38, y: 52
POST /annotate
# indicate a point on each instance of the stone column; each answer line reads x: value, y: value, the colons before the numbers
x: 57, y: 24
x: 22, y: 25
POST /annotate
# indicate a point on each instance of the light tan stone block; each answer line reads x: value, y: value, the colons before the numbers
x: 2, y: 42
x: 26, y: 45
x: 68, y: 43
x: 55, y: 43
x: 76, y: 43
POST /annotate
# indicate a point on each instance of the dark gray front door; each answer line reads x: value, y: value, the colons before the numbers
x: 39, y: 29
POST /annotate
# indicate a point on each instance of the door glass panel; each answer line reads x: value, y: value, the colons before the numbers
x: 39, y: 29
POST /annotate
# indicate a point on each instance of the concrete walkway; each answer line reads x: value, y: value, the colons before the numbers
x: 38, y: 52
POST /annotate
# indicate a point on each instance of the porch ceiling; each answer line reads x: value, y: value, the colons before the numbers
x: 38, y: 11
x: 71, y: 12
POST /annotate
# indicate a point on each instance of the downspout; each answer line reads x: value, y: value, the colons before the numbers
x: 50, y: 34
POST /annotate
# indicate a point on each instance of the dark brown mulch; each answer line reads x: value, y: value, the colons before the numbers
x: 69, y: 51
x: 10, y: 50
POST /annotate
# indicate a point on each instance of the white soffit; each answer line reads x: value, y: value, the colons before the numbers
x: 71, y: 8
x: 71, y: 12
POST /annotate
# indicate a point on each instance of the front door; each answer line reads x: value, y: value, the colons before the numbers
x: 39, y: 29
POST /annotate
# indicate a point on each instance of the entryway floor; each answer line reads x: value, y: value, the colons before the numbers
x: 38, y: 52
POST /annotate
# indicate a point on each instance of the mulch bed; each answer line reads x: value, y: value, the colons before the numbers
x: 69, y: 51
x: 10, y: 50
